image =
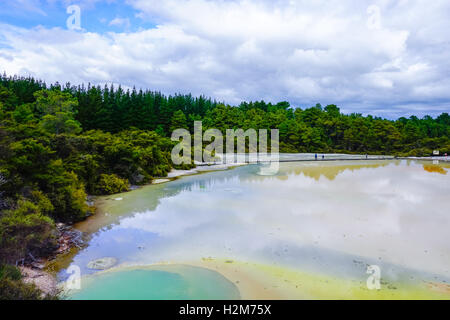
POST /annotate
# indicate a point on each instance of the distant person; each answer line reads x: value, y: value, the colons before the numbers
x: 367, y: 156
x: 323, y: 157
x: 315, y: 156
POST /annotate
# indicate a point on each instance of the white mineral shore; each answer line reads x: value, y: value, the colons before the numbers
x: 44, y: 281
x: 174, y: 173
x: 102, y: 263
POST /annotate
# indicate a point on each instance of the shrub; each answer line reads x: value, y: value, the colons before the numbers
x: 25, y: 230
x: 10, y: 272
x: 65, y: 191
x: 43, y: 203
x: 13, y: 288
x: 111, y: 183
x: 18, y: 290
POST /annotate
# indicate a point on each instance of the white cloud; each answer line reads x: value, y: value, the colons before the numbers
x: 301, y: 51
x: 120, y: 22
x: 25, y: 7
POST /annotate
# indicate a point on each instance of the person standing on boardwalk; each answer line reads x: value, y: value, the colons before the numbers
x: 315, y: 156
x: 323, y: 157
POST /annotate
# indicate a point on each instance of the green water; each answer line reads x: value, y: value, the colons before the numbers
x: 178, y: 282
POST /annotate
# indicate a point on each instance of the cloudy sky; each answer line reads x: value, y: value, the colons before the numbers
x: 389, y: 58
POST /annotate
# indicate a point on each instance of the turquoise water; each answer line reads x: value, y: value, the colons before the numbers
x: 180, y: 282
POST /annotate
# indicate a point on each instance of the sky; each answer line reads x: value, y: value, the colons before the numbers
x: 388, y: 58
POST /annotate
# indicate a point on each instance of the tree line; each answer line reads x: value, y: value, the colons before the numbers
x: 315, y: 129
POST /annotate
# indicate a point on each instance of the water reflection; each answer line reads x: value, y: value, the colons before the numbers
x: 434, y: 168
x: 329, y: 170
x: 328, y: 216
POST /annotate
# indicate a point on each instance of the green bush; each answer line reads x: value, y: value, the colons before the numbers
x: 10, y: 272
x: 65, y: 191
x: 18, y: 290
x: 420, y: 152
x: 44, y: 204
x: 13, y: 288
x: 111, y: 183
x: 25, y: 230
